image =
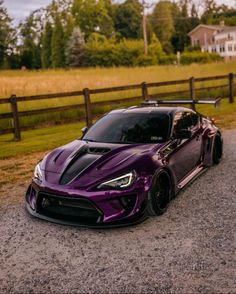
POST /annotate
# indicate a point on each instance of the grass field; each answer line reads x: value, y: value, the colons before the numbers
x: 24, y: 83
x: 51, y: 81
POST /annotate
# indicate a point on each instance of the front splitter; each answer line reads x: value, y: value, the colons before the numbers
x: 134, y: 220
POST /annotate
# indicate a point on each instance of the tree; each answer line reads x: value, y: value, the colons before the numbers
x: 128, y: 19
x: 7, y: 35
x: 75, y: 49
x: 69, y: 26
x: 223, y: 13
x: 155, y: 48
x: 30, y: 47
x: 46, y: 46
x: 163, y: 24
x: 194, y: 17
x: 210, y: 7
x: 182, y: 26
x: 92, y: 16
x: 57, y: 45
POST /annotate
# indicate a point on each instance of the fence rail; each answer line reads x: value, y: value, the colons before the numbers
x: 144, y: 88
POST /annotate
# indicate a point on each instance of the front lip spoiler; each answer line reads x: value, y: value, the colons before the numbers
x: 137, y: 219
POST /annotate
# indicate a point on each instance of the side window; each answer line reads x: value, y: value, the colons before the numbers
x: 185, y: 121
x: 195, y: 121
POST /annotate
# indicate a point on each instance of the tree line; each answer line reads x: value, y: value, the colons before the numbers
x: 73, y: 33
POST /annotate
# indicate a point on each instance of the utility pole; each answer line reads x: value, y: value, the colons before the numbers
x: 145, y: 28
x: 145, y: 6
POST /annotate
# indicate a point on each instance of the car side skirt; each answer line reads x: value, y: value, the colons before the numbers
x: 192, y: 176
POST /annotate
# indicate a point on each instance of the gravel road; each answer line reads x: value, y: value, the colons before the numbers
x: 190, y: 249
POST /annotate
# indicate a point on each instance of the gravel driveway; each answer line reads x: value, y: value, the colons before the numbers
x: 190, y: 249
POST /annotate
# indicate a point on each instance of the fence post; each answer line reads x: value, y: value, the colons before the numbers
x: 231, y: 88
x: 192, y: 91
x: 88, y: 107
x: 144, y: 91
x: 16, y: 123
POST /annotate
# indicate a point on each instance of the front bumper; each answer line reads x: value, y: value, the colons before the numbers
x: 88, y: 209
x: 116, y: 224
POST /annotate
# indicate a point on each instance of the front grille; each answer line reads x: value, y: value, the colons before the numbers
x: 68, y: 208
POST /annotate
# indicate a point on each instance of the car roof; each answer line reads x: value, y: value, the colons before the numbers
x: 151, y: 109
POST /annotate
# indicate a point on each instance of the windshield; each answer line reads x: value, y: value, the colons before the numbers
x: 130, y: 128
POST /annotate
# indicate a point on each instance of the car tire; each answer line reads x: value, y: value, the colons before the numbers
x: 159, y: 195
x: 217, y: 150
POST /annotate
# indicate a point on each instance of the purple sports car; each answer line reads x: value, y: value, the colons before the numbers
x: 128, y: 165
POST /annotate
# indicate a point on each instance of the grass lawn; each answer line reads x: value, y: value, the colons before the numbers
x: 51, y: 81
x: 39, y: 140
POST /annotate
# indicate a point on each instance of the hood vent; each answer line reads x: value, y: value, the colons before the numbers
x: 98, y: 150
x: 80, y: 161
x: 77, y: 167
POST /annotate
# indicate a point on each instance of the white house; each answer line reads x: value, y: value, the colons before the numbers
x: 219, y: 39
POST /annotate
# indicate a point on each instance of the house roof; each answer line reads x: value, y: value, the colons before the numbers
x: 211, y: 27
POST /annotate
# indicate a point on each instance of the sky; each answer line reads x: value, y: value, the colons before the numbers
x: 19, y: 9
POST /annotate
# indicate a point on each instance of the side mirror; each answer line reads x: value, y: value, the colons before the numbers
x: 183, y: 134
x: 84, y: 130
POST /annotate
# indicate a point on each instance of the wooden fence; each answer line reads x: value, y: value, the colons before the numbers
x: 191, y: 93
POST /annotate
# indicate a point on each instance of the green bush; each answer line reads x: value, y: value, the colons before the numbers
x: 199, y: 57
x: 101, y: 52
x: 128, y: 51
x: 155, y: 49
x: 167, y: 59
x: 145, y: 60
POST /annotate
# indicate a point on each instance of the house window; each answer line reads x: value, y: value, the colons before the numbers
x: 222, y: 48
x: 230, y: 47
x: 234, y: 47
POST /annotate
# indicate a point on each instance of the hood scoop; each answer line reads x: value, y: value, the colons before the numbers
x: 80, y: 161
x: 98, y: 150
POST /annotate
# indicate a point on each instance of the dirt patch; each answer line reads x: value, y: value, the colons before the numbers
x: 18, y: 169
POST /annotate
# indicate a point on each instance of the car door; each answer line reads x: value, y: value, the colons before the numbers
x: 186, y: 153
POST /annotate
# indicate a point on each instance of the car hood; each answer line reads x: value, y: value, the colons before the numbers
x: 83, y: 164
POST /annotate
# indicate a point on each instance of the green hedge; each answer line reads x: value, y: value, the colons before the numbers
x: 190, y: 57
x: 199, y: 57
x: 101, y: 52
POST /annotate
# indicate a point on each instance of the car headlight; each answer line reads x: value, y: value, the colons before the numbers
x: 121, y: 182
x: 38, y: 172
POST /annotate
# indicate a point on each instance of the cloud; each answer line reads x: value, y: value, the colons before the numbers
x: 19, y: 10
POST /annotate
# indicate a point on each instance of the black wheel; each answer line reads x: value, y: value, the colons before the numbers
x: 159, y: 196
x: 217, y: 150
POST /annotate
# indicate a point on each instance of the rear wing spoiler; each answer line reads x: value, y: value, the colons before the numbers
x: 215, y: 102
